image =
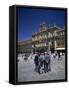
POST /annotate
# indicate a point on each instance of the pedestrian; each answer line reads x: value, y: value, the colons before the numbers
x: 59, y: 55
x: 41, y: 63
x: 25, y: 58
x: 47, y: 62
x: 36, y: 61
x: 54, y: 55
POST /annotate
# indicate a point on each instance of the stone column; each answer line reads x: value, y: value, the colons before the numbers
x: 55, y: 45
x: 49, y: 45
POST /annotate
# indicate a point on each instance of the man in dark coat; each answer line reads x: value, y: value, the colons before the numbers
x: 36, y: 61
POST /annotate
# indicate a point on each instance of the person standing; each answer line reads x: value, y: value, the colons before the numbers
x: 59, y: 56
x: 36, y: 61
x: 41, y: 63
x: 47, y: 62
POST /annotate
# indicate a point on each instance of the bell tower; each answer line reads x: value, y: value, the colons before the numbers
x: 42, y: 27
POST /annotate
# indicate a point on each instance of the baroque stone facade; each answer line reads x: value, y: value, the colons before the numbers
x: 52, y: 38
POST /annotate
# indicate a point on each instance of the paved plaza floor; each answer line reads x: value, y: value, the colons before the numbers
x: 26, y: 70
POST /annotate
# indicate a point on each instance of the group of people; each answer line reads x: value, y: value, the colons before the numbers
x: 59, y: 55
x: 42, y: 62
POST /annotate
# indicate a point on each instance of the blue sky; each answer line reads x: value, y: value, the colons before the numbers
x: 29, y: 20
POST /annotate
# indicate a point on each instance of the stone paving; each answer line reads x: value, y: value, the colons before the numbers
x: 26, y: 70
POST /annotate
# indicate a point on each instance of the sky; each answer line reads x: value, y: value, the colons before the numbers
x: 29, y: 20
